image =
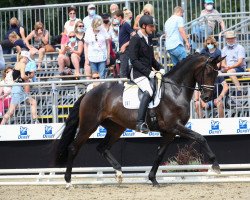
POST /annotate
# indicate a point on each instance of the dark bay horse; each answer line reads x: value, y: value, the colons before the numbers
x: 103, y: 106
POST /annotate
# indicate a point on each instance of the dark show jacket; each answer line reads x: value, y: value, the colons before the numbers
x: 142, y: 57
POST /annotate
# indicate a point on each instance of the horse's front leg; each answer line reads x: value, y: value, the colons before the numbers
x: 187, y: 133
x: 166, y: 140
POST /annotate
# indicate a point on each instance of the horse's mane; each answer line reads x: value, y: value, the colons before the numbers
x: 188, y: 59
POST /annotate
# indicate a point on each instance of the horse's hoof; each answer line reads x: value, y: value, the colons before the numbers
x: 119, y: 177
x: 69, y: 186
x: 216, y: 168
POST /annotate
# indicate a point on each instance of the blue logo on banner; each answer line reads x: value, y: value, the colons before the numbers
x: 48, y: 132
x: 189, y: 125
x: 243, y: 126
x: 23, y: 133
x: 215, y: 127
x: 101, y: 132
x: 154, y: 134
x: 128, y: 133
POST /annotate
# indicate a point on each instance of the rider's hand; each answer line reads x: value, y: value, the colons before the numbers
x: 162, y: 71
x: 152, y: 74
x: 158, y: 75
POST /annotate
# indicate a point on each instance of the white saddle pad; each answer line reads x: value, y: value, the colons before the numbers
x: 131, y: 98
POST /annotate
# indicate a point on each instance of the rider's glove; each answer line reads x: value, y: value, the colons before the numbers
x: 152, y: 74
x: 158, y: 75
x: 162, y: 71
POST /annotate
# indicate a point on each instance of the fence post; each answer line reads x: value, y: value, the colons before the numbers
x: 20, y: 16
x: 54, y: 103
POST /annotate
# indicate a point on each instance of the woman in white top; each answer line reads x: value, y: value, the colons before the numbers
x: 2, y: 61
x: 69, y: 25
x: 97, y: 48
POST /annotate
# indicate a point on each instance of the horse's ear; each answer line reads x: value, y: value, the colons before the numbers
x: 218, y: 59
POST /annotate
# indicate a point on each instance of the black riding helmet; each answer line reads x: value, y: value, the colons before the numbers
x: 147, y: 20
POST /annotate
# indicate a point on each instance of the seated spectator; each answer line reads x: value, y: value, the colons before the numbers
x: 94, y: 84
x: 18, y: 43
x: 148, y: 9
x: 97, y: 47
x: 69, y: 25
x: 87, y: 21
x: 41, y: 38
x: 5, y: 90
x: 79, y: 31
x: 18, y: 94
x: 235, y: 59
x: 70, y: 55
x: 211, y: 48
x: 220, y: 91
x: 208, y: 22
x: 128, y: 15
x: 113, y: 7
x: 2, y: 61
x: 14, y: 27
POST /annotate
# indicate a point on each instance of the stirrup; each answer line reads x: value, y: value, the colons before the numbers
x: 142, y: 127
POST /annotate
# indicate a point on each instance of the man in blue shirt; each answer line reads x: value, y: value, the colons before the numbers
x: 125, y: 32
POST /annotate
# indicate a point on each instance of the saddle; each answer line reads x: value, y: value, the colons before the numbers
x: 132, y: 95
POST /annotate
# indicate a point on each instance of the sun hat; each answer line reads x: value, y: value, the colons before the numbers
x: 230, y: 34
x: 26, y: 54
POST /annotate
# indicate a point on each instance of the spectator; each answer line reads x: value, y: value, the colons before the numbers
x: 41, y: 38
x: 114, y: 35
x: 97, y: 47
x: 5, y: 90
x: 94, y: 84
x: 2, y: 61
x: 208, y: 22
x: 69, y: 25
x: 17, y: 92
x: 70, y: 55
x: 87, y: 21
x: 18, y: 43
x: 113, y: 7
x: 235, y: 59
x: 106, y: 21
x: 211, y: 48
x: 220, y: 91
x: 175, y: 34
x: 128, y: 16
x: 125, y: 32
x: 79, y: 31
x: 148, y: 9
x: 14, y: 27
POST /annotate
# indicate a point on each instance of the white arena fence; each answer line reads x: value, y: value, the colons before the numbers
x: 131, y: 175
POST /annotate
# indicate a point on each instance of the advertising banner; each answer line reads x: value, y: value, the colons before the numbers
x: 206, y: 127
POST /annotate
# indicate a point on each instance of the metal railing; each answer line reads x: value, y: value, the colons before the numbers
x: 54, y: 16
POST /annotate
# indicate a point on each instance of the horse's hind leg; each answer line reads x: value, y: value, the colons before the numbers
x: 185, y: 132
x: 114, y: 132
x: 82, y: 136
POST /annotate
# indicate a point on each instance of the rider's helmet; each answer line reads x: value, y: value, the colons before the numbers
x: 147, y: 20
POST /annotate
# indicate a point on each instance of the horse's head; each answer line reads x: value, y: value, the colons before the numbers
x: 206, y: 76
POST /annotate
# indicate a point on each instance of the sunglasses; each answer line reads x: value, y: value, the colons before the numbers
x: 96, y: 78
x: 210, y: 43
x: 72, y: 36
x: 81, y: 26
x: 96, y: 39
x: 72, y: 13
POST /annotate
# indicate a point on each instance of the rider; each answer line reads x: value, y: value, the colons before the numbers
x: 141, y: 55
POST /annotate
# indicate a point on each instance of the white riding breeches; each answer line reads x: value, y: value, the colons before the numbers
x: 144, y: 85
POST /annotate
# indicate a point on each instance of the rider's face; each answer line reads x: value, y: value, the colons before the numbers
x: 150, y: 29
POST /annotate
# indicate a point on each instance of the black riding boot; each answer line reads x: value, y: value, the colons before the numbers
x: 141, y: 125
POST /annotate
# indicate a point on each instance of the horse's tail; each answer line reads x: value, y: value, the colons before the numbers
x: 68, y: 134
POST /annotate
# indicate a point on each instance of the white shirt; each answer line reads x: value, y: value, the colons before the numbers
x: 70, y: 28
x: 173, y: 36
x: 87, y: 21
x: 97, y: 48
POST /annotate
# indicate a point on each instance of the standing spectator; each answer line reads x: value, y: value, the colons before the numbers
x: 208, y: 21
x: 17, y: 92
x: 97, y: 48
x: 211, y: 48
x: 128, y: 16
x: 70, y: 55
x: 235, y: 58
x: 175, y: 35
x: 5, y: 90
x: 87, y: 21
x: 41, y: 38
x: 125, y: 32
x: 106, y: 21
x: 69, y: 25
x: 220, y: 91
x: 14, y: 27
x: 148, y: 9
x: 2, y: 61
x: 17, y: 41
x: 113, y: 7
